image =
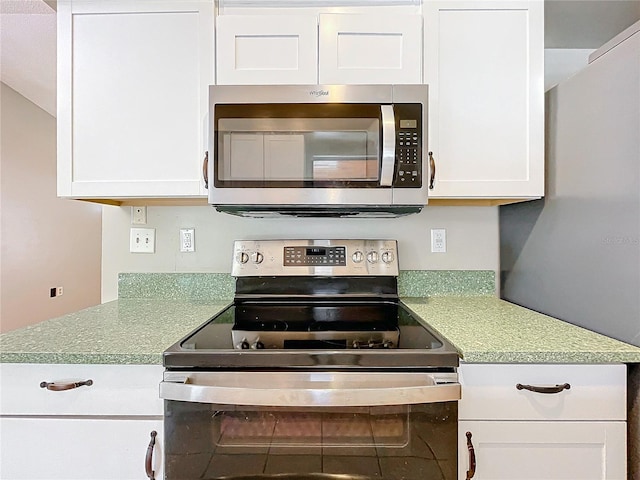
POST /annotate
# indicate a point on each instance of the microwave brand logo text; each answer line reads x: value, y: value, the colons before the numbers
x: 319, y: 93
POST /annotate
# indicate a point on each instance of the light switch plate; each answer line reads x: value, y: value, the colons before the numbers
x: 142, y: 240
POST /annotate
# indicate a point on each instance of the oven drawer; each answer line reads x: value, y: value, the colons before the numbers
x: 514, y: 392
x: 113, y: 389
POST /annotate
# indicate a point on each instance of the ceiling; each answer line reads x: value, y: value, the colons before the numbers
x: 28, y: 38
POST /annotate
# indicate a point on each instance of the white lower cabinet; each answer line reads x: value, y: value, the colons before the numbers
x: 542, y: 422
x: 80, y: 422
x: 78, y: 448
x: 544, y: 450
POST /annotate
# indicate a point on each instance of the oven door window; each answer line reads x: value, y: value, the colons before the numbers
x: 204, y: 441
x: 297, y: 145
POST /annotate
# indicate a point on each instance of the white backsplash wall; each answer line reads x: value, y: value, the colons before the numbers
x: 471, y: 234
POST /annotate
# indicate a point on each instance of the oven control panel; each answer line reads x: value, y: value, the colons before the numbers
x: 315, y: 257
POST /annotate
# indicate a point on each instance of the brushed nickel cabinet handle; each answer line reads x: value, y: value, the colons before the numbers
x: 432, y: 168
x: 536, y: 389
x: 149, y: 457
x: 205, y: 169
x: 58, y: 387
x: 472, y: 457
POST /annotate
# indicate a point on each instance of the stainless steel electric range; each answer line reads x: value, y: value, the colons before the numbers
x: 316, y: 370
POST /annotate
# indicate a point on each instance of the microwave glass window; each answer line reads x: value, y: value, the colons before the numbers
x: 309, y: 149
x: 297, y: 150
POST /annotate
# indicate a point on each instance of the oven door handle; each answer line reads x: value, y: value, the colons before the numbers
x: 299, y: 389
x: 388, y: 145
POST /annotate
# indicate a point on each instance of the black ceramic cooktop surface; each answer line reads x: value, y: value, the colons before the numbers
x: 211, y: 347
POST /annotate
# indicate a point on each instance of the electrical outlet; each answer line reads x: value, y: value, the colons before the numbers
x: 142, y: 240
x: 138, y: 215
x: 187, y: 240
x: 438, y: 240
x: 56, y: 292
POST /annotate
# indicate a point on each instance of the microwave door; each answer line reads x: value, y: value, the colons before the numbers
x: 388, y: 145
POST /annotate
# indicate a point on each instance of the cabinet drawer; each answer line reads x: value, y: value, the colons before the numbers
x: 597, y: 392
x: 115, y: 389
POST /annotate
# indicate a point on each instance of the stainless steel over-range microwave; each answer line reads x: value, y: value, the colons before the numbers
x: 318, y: 150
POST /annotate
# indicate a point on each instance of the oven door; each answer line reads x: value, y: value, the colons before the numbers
x: 299, y: 425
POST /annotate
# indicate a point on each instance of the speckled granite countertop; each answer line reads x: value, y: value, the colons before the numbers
x: 125, y: 331
x: 153, y: 314
x: 137, y: 331
x: 486, y: 329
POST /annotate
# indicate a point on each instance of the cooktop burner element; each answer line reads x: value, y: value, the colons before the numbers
x: 314, y: 304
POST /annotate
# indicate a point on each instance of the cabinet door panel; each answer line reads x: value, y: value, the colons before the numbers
x: 78, y: 449
x: 133, y: 99
x: 267, y: 49
x: 483, y: 64
x: 544, y: 450
x: 370, y: 49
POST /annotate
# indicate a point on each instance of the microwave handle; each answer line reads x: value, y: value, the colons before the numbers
x: 388, y: 145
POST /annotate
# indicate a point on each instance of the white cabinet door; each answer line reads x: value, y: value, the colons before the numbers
x: 78, y: 449
x: 544, y: 450
x: 370, y: 49
x: 132, y: 97
x: 267, y: 49
x: 484, y: 67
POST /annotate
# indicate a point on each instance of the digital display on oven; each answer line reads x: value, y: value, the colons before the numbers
x: 315, y: 256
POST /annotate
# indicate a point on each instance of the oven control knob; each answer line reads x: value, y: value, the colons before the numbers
x: 372, y: 257
x: 357, y: 256
x: 243, y: 345
x: 257, y: 345
x: 387, y: 257
x: 243, y: 257
x: 257, y: 257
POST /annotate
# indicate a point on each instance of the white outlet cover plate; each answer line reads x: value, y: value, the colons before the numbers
x: 138, y: 215
x: 187, y: 240
x: 438, y: 240
x: 142, y: 240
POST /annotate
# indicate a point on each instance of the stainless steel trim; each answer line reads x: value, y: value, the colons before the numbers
x: 240, y: 94
x: 388, y: 145
x: 273, y: 258
x: 300, y: 389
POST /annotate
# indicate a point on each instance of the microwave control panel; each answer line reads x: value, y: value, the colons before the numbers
x: 408, y: 171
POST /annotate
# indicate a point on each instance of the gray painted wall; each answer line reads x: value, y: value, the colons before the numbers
x: 576, y: 254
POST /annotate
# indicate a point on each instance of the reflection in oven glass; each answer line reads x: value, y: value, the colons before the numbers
x: 416, y: 442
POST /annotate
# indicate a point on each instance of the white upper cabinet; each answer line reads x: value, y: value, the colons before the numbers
x: 370, y: 49
x: 132, y: 97
x: 274, y: 49
x: 484, y: 67
x: 324, y: 48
